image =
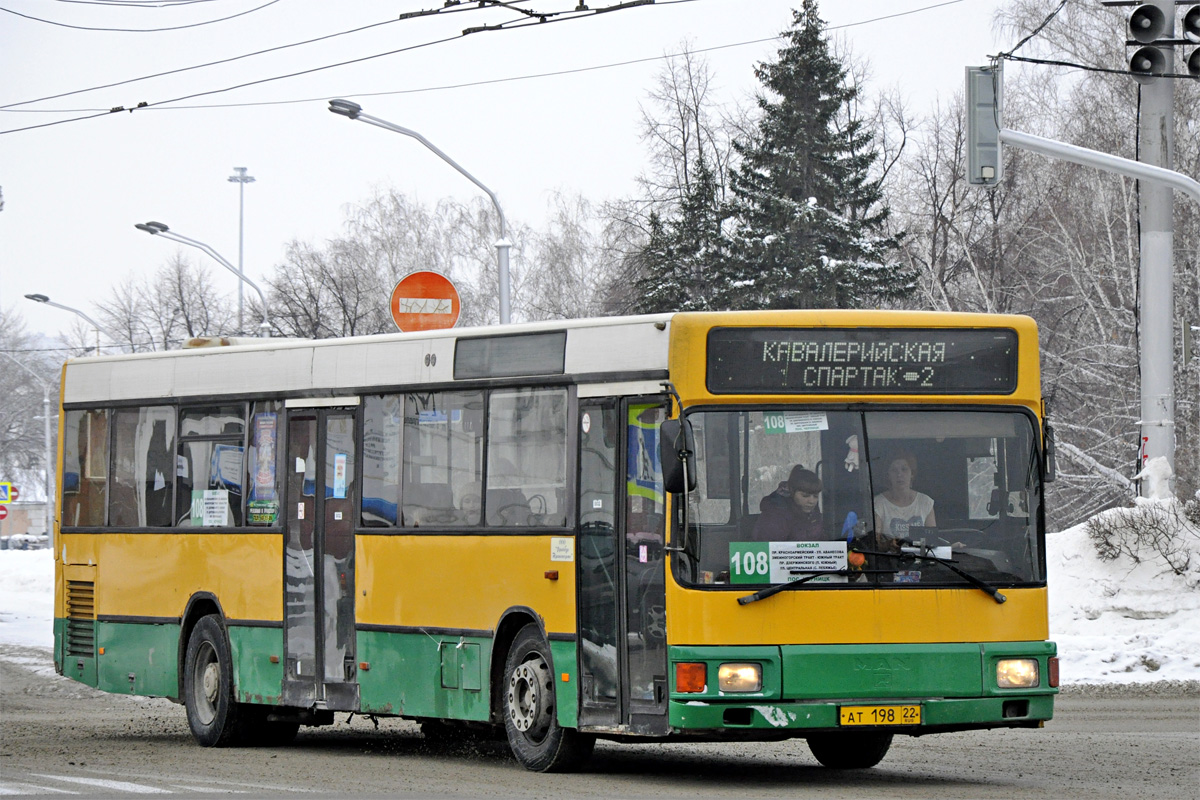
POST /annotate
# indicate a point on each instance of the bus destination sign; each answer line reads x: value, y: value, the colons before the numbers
x: 862, y: 361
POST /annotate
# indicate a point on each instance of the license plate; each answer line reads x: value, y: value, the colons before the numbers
x: 879, y: 715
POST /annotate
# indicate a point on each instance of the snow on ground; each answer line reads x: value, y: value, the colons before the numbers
x: 1115, y: 622
x: 27, y: 598
x: 1119, y: 621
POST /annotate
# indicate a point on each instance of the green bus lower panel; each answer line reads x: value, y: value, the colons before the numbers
x: 985, y: 712
x: 256, y: 678
x: 138, y: 658
x: 75, y: 666
x: 882, y: 671
x: 566, y: 679
x: 418, y: 675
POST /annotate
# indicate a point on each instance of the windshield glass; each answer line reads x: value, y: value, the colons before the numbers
x: 787, y: 492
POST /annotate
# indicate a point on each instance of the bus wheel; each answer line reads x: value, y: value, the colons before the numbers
x: 530, y: 717
x: 858, y: 750
x: 212, y: 714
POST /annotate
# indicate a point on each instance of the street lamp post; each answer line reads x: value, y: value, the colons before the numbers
x: 159, y: 229
x: 49, y: 486
x: 241, y: 179
x: 41, y: 298
x: 352, y: 110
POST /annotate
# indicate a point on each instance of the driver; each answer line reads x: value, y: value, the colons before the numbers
x: 901, y: 507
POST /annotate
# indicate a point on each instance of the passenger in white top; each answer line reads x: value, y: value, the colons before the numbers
x: 900, y: 506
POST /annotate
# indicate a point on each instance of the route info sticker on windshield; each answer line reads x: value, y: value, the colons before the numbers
x: 784, y: 562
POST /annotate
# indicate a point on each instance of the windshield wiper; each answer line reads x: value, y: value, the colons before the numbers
x: 950, y: 565
x: 763, y: 594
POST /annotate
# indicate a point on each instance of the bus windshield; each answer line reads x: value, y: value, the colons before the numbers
x: 789, y: 492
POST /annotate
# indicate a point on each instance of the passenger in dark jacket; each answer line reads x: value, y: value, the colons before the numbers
x: 790, y: 513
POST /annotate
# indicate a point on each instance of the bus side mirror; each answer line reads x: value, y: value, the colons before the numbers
x: 677, y: 454
x: 1049, y: 467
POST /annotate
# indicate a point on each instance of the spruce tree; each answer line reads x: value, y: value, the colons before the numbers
x: 810, y: 219
x: 676, y: 264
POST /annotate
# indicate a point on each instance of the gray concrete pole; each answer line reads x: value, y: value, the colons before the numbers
x: 49, y: 463
x: 241, y: 179
x: 1156, y: 318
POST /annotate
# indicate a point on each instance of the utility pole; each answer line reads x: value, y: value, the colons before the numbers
x: 241, y: 179
x: 1152, y: 24
x: 1150, y: 66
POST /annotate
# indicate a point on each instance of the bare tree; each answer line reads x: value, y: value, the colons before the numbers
x: 22, y: 434
x: 177, y: 302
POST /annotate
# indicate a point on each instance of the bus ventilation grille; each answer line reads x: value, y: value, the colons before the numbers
x: 81, y: 616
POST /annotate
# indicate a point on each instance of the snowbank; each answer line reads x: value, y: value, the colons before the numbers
x: 1121, y: 621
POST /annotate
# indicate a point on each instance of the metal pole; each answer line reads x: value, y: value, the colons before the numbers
x: 1155, y: 309
x: 159, y: 229
x: 1156, y: 317
x: 241, y: 179
x: 41, y: 298
x: 347, y: 108
x: 49, y: 462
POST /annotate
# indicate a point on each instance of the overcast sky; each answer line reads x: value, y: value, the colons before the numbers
x: 73, y: 191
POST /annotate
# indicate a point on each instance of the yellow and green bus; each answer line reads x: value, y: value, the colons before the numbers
x: 570, y: 530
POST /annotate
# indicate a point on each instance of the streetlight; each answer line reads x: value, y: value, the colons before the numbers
x: 49, y: 516
x: 159, y: 229
x: 241, y: 179
x: 347, y: 108
x: 41, y: 298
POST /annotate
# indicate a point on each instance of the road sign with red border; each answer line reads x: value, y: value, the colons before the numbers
x: 425, y: 301
x: 13, y: 493
x: 3, y: 512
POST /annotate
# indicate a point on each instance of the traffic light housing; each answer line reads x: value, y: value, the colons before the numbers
x: 1152, y: 29
x: 985, y: 160
x: 1191, y: 32
x: 1147, y: 23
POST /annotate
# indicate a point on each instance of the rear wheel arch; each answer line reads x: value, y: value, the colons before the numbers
x: 199, y: 605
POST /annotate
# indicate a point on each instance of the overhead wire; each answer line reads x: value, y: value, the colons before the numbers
x: 575, y: 14
x: 445, y: 10
x: 102, y: 112
x: 138, y: 30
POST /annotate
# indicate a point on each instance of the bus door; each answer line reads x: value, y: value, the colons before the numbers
x: 622, y: 619
x: 318, y: 608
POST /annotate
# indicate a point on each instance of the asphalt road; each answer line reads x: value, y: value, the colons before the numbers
x: 59, y: 737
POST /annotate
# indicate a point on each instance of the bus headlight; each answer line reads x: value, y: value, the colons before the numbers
x: 1017, y: 673
x: 740, y: 678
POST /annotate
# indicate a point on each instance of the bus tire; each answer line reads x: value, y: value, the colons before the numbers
x: 853, y: 750
x: 539, y: 743
x: 214, y: 717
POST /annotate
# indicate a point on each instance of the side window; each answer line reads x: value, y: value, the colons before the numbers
x: 442, y: 441
x: 263, y: 465
x: 210, y: 467
x: 527, y: 458
x: 143, y: 467
x: 383, y: 425
x: 85, y: 468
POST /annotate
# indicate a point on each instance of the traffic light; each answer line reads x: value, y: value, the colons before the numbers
x: 1153, y: 30
x: 1147, y: 24
x: 985, y: 161
x: 1191, y: 32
